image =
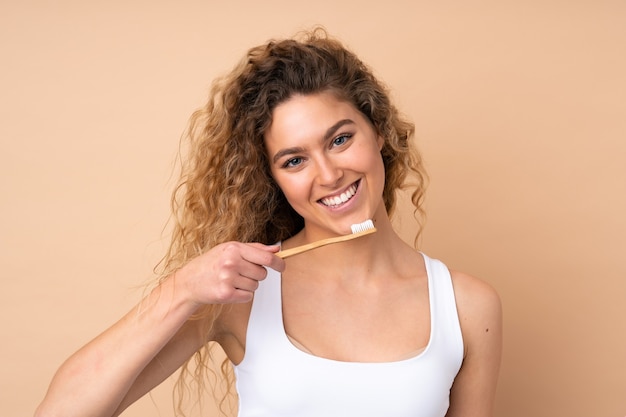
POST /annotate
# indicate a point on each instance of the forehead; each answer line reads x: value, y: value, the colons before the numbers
x: 310, y: 115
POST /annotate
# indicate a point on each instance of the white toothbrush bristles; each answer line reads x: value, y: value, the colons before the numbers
x: 361, y: 227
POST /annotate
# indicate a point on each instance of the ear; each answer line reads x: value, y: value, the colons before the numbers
x: 380, y: 141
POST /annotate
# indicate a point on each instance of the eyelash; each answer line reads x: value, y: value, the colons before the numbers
x: 345, y: 136
x: 288, y: 162
x: 298, y: 160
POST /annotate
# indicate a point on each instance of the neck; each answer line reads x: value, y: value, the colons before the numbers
x: 364, y: 257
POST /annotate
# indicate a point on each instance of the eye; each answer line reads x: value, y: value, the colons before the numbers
x: 341, y: 139
x: 292, y: 162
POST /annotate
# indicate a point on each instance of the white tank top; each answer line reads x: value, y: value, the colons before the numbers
x: 276, y: 379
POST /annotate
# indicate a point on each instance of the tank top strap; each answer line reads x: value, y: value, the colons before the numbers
x: 266, y: 317
x: 445, y: 325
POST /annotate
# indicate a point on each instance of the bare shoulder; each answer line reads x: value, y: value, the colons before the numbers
x: 479, y: 308
x: 474, y: 295
x: 480, y: 315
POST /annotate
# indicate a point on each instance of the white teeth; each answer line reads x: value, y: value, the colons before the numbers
x: 345, y: 196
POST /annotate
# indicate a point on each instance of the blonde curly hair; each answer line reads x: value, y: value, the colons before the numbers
x: 226, y: 191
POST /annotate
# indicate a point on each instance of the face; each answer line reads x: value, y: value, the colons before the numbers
x: 325, y: 156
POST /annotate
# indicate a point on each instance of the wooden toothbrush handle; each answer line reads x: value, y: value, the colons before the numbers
x: 309, y: 246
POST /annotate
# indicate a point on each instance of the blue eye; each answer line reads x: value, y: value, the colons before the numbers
x: 340, y: 140
x: 293, y: 162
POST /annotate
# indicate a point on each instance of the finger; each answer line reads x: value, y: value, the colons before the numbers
x: 241, y: 296
x: 264, y: 255
x: 251, y: 270
x: 246, y: 284
x: 267, y: 248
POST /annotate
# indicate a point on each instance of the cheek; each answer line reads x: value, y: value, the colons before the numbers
x: 378, y: 169
x: 374, y: 161
x: 292, y: 186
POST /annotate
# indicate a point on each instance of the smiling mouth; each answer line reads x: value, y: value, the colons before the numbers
x: 341, y: 198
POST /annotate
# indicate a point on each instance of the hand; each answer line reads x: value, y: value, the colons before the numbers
x: 229, y: 272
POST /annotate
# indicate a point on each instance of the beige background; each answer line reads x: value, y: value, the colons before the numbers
x: 520, y: 112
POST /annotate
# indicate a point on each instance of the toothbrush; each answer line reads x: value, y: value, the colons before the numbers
x: 358, y: 230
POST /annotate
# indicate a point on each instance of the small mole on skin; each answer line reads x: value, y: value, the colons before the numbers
x: 487, y: 329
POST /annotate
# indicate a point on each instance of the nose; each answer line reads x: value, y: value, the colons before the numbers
x: 328, y: 173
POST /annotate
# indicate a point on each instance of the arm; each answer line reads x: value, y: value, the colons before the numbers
x: 480, y: 314
x: 156, y: 337
x: 95, y: 380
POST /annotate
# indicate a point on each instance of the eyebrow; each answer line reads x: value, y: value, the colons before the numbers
x: 298, y: 149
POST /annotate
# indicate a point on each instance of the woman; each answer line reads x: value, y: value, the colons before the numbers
x: 297, y: 144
